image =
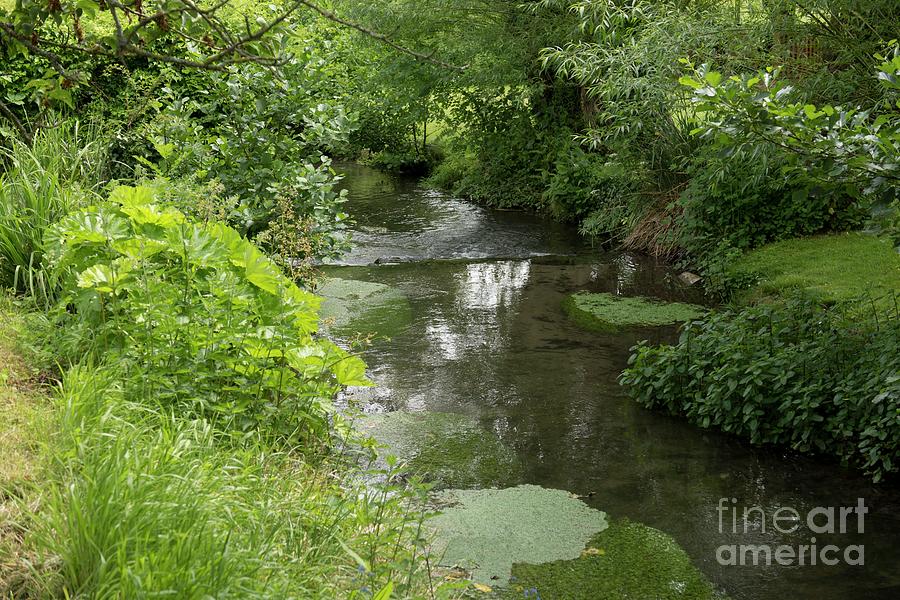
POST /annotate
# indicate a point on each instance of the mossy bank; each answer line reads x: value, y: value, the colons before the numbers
x: 826, y: 268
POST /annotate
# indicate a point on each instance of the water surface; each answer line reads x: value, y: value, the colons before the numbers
x: 489, y: 339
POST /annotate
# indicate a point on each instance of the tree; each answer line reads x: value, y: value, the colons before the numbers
x: 63, y: 37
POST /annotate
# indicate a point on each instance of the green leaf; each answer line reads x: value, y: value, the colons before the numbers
x: 63, y: 95
x: 261, y: 271
x: 351, y: 371
x: 131, y: 196
x: 386, y: 592
x: 713, y: 78
x: 690, y: 82
x: 104, y: 278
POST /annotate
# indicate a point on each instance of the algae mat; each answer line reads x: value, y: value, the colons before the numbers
x: 353, y: 306
x: 445, y: 449
x: 485, y: 532
x: 628, y: 560
x: 608, y: 312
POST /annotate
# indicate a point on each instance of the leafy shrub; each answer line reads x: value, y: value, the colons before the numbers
x: 816, y: 379
x: 743, y: 199
x: 201, y: 319
x: 616, y: 204
x: 777, y: 167
x: 261, y: 136
x: 572, y: 188
x: 503, y: 151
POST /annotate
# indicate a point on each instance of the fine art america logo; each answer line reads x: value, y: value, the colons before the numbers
x: 821, y: 520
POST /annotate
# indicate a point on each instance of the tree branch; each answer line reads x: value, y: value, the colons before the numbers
x: 380, y: 37
x: 17, y: 123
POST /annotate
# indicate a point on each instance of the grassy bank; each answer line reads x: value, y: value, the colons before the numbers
x: 103, y: 496
x: 25, y: 415
x: 188, y: 445
x: 829, y: 268
x: 805, y: 356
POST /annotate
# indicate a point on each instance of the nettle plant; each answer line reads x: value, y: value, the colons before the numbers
x: 200, y: 318
x: 817, y: 379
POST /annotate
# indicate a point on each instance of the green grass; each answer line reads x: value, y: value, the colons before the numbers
x: 39, y: 184
x: 829, y: 268
x: 107, y: 495
x: 141, y: 503
x: 25, y: 423
x: 608, y: 312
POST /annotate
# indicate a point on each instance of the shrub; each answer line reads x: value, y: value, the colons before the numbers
x: 200, y: 318
x: 743, y: 200
x: 576, y: 184
x: 816, y: 379
x: 262, y: 136
x: 502, y: 153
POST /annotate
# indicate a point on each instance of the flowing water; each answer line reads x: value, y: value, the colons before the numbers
x: 488, y: 339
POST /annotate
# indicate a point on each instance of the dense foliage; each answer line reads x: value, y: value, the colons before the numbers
x: 42, y: 181
x: 816, y: 379
x: 593, y: 112
x: 209, y: 322
x: 194, y: 450
x: 166, y: 190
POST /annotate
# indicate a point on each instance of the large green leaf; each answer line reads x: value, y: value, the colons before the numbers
x: 261, y: 271
x: 351, y: 370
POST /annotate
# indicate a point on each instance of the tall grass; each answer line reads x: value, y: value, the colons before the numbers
x: 142, y: 503
x: 40, y: 182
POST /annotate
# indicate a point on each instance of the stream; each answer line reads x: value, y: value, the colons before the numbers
x: 486, y: 337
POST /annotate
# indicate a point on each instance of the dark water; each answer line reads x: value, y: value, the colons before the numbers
x: 489, y: 339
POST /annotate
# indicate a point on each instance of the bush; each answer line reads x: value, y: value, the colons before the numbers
x: 743, y: 200
x: 502, y: 152
x: 816, y: 379
x: 262, y: 137
x: 576, y: 184
x: 200, y: 318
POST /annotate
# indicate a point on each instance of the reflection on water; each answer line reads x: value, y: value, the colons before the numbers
x: 489, y: 339
x: 488, y: 286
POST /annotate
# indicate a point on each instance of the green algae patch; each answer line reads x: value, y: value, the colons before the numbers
x: 608, y: 312
x: 485, y: 532
x: 828, y: 268
x: 627, y: 560
x: 445, y: 449
x: 353, y: 306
